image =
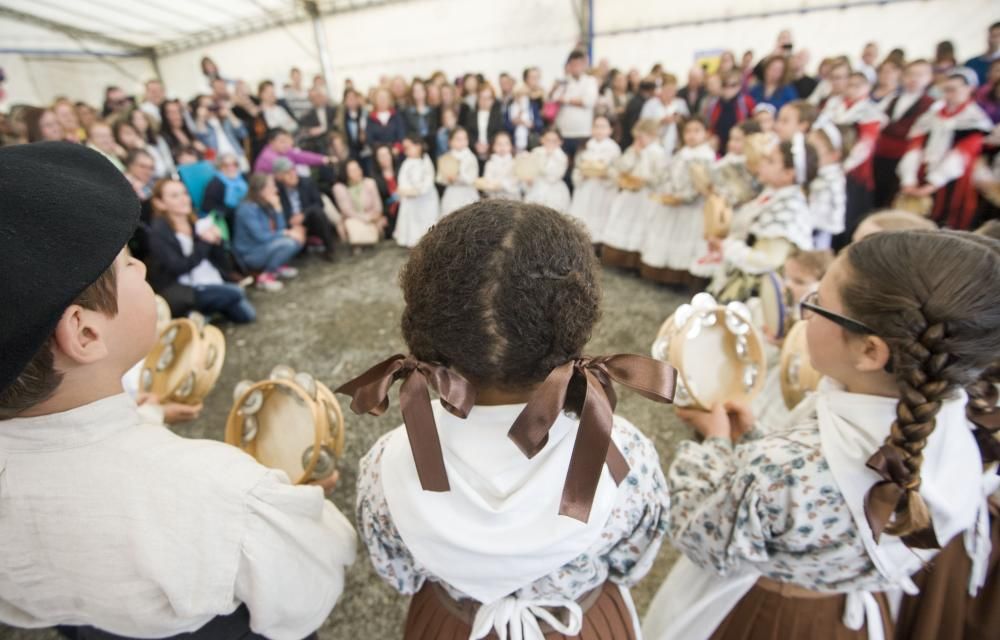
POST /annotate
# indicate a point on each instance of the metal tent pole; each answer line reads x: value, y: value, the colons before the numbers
x: 319, y: 33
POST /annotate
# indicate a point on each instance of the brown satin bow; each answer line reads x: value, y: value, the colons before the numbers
x: 884, y: 497
x: 590, y: 381
x: 370, y: 394
x: 987, y: 426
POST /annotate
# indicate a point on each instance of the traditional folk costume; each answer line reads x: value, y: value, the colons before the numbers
x: 675, y: 237
x: 867, y: 120
x: 828, y: 204
x: 775, y: 222
x: 460, y: 192
x: 732, y: 179
x: 419, y: 207
x: 775, y: 532
x: 628, y: 220
x: 500, y: 170
x: 490, y: 542
x: 549, y: 187
x: 944, y: 145
x: 902, y: 111
x: 592, y: 196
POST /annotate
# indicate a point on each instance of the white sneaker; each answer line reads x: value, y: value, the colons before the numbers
x: 287, y: 273
x: 269, y: 282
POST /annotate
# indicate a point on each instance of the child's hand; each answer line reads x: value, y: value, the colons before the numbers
x: 328, y: 483
x: 710, y: 424
x: 174, y: 413
x: 740, y: 417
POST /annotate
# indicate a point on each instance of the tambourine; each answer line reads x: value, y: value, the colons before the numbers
x: 593, y: 168
x: 527, y: 167
x: 701, y: 177
x: 629, y: 182
x: 798, y: 377
x: 486, y: 185
x: 755, y: 147
x: 716, y: 350
x: 186, y: 361
x: 718, y: 216
x: 448, y: 166
x: 290, y: 421
x: 163, y: 315
x: 920, y: 205
x: 776, y: 304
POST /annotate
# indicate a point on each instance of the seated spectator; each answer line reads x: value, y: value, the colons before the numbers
x: 774, y: 88
x: 139, y: 171
x: 43, y: 125
x: 275, y: 115
x: 86, y: 115
x: 225, y: 191
x: 100, y: 139
x: 68, y: 120
x: 262, y: 239
x: 156, y: 146
x: 359, y: 203
x: 219, y: 130
x: 175, y: 129
x: 152, y: 99
x: 318, y: 122
x: 388, y: 186
x: 188, y: 258
x: 385, y: 125
x: 116, y: 102
x: 195, y: 172
x: 302, y: 204
x: 282, y: 145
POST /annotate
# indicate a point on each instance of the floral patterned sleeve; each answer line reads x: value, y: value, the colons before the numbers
x: 644, y: 510
x: 389, y: 555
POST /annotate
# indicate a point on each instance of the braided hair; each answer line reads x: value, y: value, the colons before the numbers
x: 932, y: 297
x: 501, y: 291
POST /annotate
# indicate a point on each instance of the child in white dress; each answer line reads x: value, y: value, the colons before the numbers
x: 498, y: 179
x: 549, y: 188
x: 594, y: 190
x: 638, y: 171
x: 419, y: 207
x: 828, y: 191
x: 459, y: 190
x: 731, y: 177
x: 675, y: 236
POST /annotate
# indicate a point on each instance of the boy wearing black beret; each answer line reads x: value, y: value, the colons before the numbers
x: 110, y: 523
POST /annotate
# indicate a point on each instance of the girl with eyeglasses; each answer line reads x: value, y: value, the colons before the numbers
x: 804, y: 532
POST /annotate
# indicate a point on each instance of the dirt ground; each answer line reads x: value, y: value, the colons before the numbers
x: 336, y: 320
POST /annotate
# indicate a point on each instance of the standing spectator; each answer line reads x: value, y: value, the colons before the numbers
x: 693, y: 93
x: 359, y: 203
x: 887, y: 86
x: 210, y: 72
x: 783, y: 46
x: 220, y: 130
x: 774, y: 89
x: 418, y: 115
x: 869, y: 56
x: 281, y: 144
x: 802, y: 82
x: 385, y: 125
x: 506, y: 96
x: 614, y: 100
x: 633, y: 110
x: 318, y: 122
x: 399, y: 92
x: 577, y: 96
x: 387, y: 181
x: 156, y: 146
x: 302, y: 204
x: 187, y: 259
x: 139, y: 173
x: 727, y: 62
x: 666, y: 109
x: 944, y: 60
x: 981, y: 63
x: 836, y: 82
x: 483, y: 123
x: 220, y: 91
x: 449, y: 122
x: 175, y: 129
x: 353, y: 122
x: 152, y: 99
x: 275, y: 115
x: 732, y: 108
x: 988, y: 96
x: 226, y: 190
x: 470, y: 94
x: 262, y: 239
x: 43, y: 125
x: 296, y: 97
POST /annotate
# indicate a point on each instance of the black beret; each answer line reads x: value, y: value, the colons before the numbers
x: 65, y: 214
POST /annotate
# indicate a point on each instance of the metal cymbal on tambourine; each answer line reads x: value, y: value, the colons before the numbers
x: 798, y: 377
x: 718, y: 353
x: 185, y: 362
x: 291, y: 422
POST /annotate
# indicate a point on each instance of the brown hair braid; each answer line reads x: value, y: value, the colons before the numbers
x: 930, y: 296
x: 501, y: 291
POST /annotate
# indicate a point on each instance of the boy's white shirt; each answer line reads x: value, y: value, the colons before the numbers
x: 111, y: 521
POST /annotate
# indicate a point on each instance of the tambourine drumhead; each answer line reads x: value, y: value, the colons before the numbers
x: 774, y: 303
x: 629, y: 182
x: 526, y: 166
x: 718, y: 216
x: 798, y: 376
x: 920, y: 205
x: 593, y: 168
x: 163, y: 315
x: 185, y: 363
x: 756, y: 147
x: 701, y: 179
x: 285, y: 425
x: 484, y: 184
x: 448, y: 166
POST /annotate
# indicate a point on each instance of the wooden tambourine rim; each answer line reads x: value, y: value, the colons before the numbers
x: 754, y: 343
x: 190, y: 354
x: 919, y: 205
x: 205, y: 378
x: 163, y: 314
x: 449, y: 166
x: 527, y: 166
x: 718, y: 216
x: 701, y: 177
x: 777, y: 286
x: 795, y: 342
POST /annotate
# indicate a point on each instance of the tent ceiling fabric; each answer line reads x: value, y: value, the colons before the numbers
x: 152, y: 26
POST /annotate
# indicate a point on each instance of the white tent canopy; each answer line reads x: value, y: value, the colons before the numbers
x: 77, y: 47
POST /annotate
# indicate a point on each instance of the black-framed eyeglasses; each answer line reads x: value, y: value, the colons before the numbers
x: 809, y: 304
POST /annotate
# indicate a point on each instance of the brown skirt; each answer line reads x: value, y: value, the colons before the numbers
x: 435, y: 615
x: 611, y: 257
x: 771, y: 611
x: 943, y: 608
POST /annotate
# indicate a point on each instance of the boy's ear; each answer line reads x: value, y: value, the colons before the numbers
x: 78, y: 337
x: 872, y: 354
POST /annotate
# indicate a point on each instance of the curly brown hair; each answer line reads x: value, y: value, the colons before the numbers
x: 501, y: 291
x: 928, y: 294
